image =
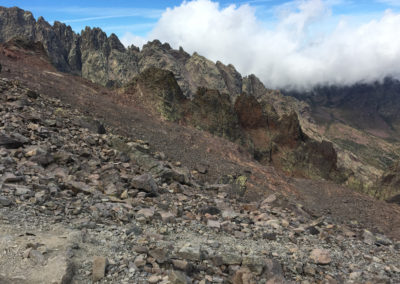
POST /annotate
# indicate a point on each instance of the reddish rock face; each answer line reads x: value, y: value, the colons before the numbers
x: 390, y: 180
x: 256, y: 126
x: 250, y: 113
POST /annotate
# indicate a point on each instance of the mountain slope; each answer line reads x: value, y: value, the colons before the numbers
x: 362, y: 158
x: 80, y: 204
x: 209, y: 158
x: 362, y: 121
x: 220, y: 108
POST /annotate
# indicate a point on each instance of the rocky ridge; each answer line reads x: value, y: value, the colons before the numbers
x: 79, y: 204
x: 104, y: 60
x: 267, y: 136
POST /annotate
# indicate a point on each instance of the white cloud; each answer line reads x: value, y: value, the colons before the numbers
x: 296, y: 52
x: 128, y: 39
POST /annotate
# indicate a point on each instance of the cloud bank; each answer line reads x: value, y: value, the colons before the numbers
x: 299, y: 51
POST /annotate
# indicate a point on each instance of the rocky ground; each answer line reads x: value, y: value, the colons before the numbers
x: 79, y: 204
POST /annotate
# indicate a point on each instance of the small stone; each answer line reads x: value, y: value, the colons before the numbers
x: 124, y: 195
x: 348, y: 233
x: 147, y: 213
x: 111, y: 190
x: 5, y: 202
x: 159, y: 254
x: 180, y: 264
x: 101, y: 129
x: 395, y: 269
x: 134, y: 230
x: 231, y: 258
x: 243, y: 276
x: 212, y: 210
x: 154, y: 279
x: 298, y: 230
x: 78, y: 187
x: 269, y: 236
x: 32, y: 94
x: 201, y: 169
x: 229, y: 214
x: 167, y: 217
x: 31, y: 153
x: 22, y: 190
x: 321, y: 256
x: 190, y: 252
x: 177, y: 277
x: 10, y: 178
x: 213, y: 224
x: 145, y: 182
x: 26, y: 253
x: 269, y: 199
x: 99, y: 268
x: 309, y: 270
x: 217, y: 279
x: 312, y: 230
x: 382, y: 241
x: 368, y: 237
x: 140, y: 261
x: 43, y: 159
x: 141, y: 249
x: 356, y: 275
x: 274, y: 224
x: 9, y: 142
x: 285, y: 223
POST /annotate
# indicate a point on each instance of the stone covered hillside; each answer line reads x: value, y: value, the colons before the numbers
x: 79, y: 204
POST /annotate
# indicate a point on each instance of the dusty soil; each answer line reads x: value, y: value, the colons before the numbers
x: 195, y: 148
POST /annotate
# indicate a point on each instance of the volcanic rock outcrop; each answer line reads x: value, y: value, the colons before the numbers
x: 362, y: 121
x: 246, y: 121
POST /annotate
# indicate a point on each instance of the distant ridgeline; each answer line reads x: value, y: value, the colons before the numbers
x: 104, y: 60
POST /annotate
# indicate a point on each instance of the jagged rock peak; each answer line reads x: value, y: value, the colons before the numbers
x: 106, y: 61
x: 157, y: 44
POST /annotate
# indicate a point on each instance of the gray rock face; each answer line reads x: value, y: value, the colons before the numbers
x: 14, y: 21
x: 252, y: 85
x: 232, y: 78
x: 104, y: 60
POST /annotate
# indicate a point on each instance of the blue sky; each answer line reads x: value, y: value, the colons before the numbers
x: 139, y: 17
x: 297, y: 43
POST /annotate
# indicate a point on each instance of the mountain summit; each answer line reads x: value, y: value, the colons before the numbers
x: 104, y: 60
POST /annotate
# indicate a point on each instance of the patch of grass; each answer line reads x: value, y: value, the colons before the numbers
x: 371, y: 155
